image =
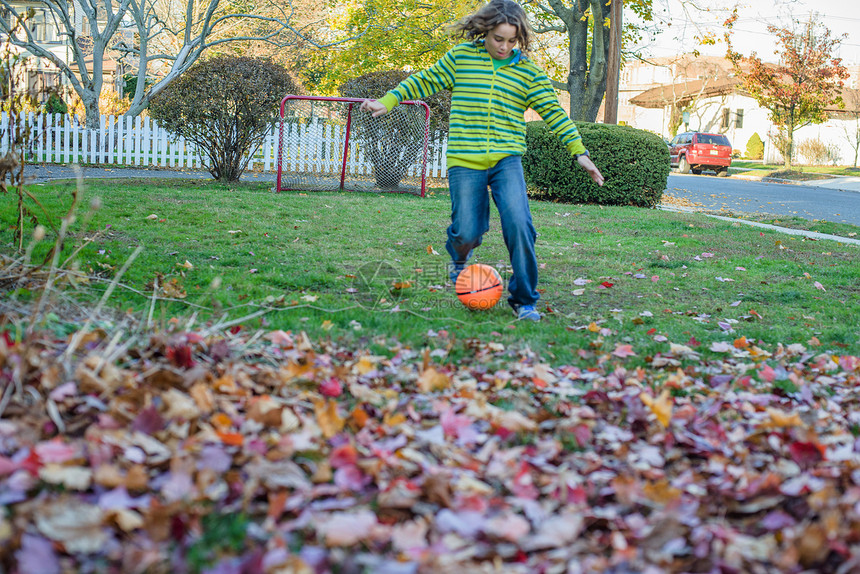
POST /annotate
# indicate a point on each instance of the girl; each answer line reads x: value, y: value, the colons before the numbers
x: 493, y: 83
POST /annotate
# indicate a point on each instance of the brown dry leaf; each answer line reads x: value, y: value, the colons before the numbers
x: 128, y: 520
x: 71, y: 477
x: 137, y: 478
x: 661, y: 492
x: 203, y: 397
x: 173, y: 289
x: 180, y: 405
x: 96, y: 376
x: 512, y: 420
x: 74, y: 523
x: 265, y: 411
x: 108, y: 475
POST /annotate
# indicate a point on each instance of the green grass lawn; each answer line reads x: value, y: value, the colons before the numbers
x: 328, y: 264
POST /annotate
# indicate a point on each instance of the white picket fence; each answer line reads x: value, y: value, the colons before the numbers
x: 127, y: 141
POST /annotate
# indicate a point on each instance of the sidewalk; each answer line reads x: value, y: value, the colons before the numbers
x: 841, y: 183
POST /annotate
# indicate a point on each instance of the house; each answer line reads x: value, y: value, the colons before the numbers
x: 41, y: 74
x: 717, y: 103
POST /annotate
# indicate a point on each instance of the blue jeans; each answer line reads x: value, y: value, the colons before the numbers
x: 470, y: 219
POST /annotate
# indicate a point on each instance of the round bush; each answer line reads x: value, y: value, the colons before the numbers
x: 225, y: 105
x: 634, y: 163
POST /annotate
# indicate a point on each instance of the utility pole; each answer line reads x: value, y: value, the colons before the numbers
x: 613, y: 71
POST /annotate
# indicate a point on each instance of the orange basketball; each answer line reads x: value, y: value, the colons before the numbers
x: 479, y: 287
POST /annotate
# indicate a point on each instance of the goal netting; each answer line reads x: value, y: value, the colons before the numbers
x: 330, y: 144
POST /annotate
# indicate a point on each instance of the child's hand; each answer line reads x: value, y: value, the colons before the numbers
x: 588, y: 165
x: 375, y: 108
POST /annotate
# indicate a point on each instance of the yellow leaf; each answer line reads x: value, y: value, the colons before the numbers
x: 431, y: 251
x: 661, y: 491
x: 779, y: 419
x: 593, y: 327
x: 329, y: 421
x: 327, y: 325
x: 432, y: 380
x: 365, y: 365
x: 393, y: 420
x: 661, y: 406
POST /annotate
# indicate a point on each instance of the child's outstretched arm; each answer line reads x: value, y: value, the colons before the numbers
x: 585, y: 163
x: 375, y: 107
x: 439, y: 76
x: 543, y: 100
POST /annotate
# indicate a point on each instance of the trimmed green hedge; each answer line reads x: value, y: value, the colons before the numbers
x: 634, y: 163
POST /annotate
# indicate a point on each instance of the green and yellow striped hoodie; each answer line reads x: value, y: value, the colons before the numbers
x: 488, y: 104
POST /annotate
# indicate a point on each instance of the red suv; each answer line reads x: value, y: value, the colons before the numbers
x: 699, y: 151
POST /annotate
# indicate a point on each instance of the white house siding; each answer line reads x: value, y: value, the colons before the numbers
x: 755, y: 120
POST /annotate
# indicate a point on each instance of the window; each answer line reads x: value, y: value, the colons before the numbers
x: 42, y: 27
x: 37, y: 26
x: 724, y: 122
x: 713, y: 139
x: 739, y: 119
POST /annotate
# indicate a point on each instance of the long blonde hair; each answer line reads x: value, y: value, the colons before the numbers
x: 477, y: 25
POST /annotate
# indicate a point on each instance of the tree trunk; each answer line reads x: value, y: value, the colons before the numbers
x: 789, y: 143
x: 586, y: 82
x: 91, y: 109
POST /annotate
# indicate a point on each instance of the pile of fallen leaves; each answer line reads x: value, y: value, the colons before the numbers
x: 266, y: 452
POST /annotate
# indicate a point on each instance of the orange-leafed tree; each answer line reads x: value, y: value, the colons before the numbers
x: 796, y: 90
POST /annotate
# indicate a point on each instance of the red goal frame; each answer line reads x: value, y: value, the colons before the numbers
x: 351, y: 105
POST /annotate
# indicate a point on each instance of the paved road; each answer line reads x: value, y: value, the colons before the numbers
x: 743, y: 196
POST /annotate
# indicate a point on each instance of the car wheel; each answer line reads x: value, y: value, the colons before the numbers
x: 683, y: 166
x: 723, y: 172
x: 696, y: 171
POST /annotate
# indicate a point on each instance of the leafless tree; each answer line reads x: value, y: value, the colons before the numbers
x: 160, y: 38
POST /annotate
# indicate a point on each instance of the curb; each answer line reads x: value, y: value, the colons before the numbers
x: 788, y: 231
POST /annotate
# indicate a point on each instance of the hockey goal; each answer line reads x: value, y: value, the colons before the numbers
x: 330, y: 144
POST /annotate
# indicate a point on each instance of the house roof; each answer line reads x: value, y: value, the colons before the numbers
x: 680, y: 93
x: 851, y: 98
x: 666, y: 95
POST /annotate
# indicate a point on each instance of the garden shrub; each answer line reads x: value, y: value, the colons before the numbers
x: 814, y: 151
x: 55, y: 104
x: 225, y: 105
x: 755, y: 147
x: 634, y: 163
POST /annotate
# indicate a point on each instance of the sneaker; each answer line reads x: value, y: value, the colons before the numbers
x: 455, y: 272
x: 527, y: 313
